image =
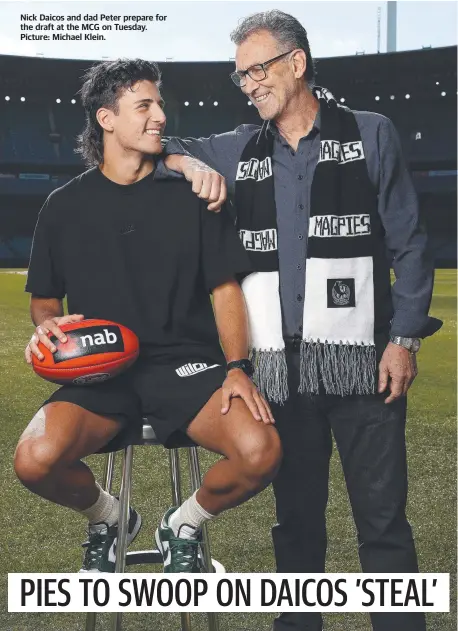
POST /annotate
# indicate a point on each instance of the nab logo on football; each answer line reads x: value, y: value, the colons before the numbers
x: 89, y: 341
x: 99, y: 339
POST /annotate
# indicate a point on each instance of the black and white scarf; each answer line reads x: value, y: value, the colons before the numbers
x: 345, y: 278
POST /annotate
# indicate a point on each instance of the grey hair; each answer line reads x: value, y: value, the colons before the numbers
x: 288, y: 31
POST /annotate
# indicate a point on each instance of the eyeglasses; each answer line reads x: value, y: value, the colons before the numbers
x: 257, y: 72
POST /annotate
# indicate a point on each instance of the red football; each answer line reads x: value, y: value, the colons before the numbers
x: 95, y: 351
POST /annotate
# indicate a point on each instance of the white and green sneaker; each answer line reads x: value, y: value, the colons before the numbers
x: 178, y: 554
x: 100, y: 547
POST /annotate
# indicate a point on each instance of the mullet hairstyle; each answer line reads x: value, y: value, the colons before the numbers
x: 103, y: 85
x: 288, y: 32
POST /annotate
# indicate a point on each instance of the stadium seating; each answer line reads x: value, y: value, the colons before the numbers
x: 5, y: 251
x: 69, y: 121
x: 40, y: 118
x: 26, y: 132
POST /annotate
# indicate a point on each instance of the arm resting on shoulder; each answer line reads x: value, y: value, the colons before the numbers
x: 219, y: 151
x: 205, y: 161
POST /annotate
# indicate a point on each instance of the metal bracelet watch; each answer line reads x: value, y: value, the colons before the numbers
x: 412, y: 344
x: 242, y: 364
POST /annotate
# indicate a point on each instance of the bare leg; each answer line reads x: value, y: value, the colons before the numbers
x: 47, y: 459
x: 251, y: 450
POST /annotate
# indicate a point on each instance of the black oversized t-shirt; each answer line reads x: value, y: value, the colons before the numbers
x: 145, y: 255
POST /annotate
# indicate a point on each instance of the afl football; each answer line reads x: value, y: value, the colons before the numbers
x: 95, y: 350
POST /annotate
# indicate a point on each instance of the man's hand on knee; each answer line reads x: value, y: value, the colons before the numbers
x: 237, y: 384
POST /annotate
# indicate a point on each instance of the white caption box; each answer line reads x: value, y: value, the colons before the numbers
x: 229, y: 592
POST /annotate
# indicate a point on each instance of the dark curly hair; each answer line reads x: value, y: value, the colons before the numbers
x: 103, y: 85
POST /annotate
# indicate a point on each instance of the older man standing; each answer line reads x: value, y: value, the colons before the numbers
x: 322, y: 194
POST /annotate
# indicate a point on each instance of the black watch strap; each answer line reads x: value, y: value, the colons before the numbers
x: 243, y: 364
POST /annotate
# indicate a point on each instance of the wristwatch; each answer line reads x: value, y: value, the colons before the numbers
x: 243, y: 364
x: 412, y: 344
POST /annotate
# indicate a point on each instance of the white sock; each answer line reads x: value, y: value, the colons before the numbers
x: 105, y: 509
x: 188, y: 518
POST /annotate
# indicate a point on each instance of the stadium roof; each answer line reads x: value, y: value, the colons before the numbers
x: 415, y: 71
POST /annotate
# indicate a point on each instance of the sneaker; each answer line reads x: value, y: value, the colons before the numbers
x: 100, y: 548
x: 178, y: 554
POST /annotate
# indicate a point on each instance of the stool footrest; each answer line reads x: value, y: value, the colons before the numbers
x: 138, y: 557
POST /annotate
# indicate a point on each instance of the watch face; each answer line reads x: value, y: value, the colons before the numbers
x: 415, y: 345
x: 247, y: 368
x: 243, y: 364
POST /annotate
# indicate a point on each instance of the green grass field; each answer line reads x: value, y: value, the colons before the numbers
x: 39, y: 537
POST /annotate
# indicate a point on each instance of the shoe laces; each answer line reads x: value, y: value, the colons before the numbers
x: 97, y: 536
x: 184, y: 551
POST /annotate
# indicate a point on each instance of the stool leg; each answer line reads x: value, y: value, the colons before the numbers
x: 196, y: 480
x: 107, y: 480
x: 108, y: 472
x: 123, y: 525
x: 124, y: 504
x: 177, y: 500
x: 195, y: 476
x: 175, y: 478
x: 185, y: 621
x: 91, y: 619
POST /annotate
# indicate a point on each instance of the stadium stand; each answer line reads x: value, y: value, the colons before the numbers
x: 40, y: 117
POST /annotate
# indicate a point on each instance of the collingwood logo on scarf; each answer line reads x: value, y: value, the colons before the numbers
x: 254, y: 169
x: 341, y: 153
x: 341, y: 292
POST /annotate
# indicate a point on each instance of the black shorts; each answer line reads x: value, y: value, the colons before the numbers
x: 169, y: 394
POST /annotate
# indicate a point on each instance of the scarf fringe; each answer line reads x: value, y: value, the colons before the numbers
x: 271, y: 374
x: 344, y: 368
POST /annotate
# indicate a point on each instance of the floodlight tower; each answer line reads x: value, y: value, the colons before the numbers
x: 379, y: 18
x: 391, y: 27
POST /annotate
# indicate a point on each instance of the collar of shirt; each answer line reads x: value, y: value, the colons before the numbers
x: 272, y: 128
